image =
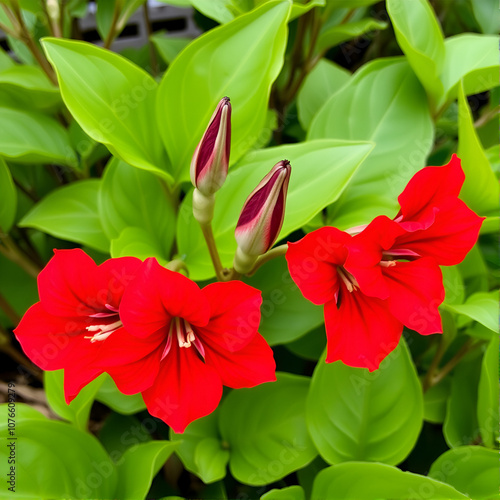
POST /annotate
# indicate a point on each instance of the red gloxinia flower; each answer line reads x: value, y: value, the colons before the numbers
x: 199, y: 341
x: 76, y: 317
x: 438, y: 224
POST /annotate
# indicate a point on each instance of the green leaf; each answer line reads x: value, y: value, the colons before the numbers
x: 289, y: 493
x: 486, y: 14
x: 112, y: 99
x: 322, y: 82
x: 397, y: 120
x: 29, y: 137
x: 138, y: 466
x: 461, y: 425
x: 350, y: 4
x: 435, y: 400
x: 353, y: 414
x: 286, y: 314
x: 453, y: 285
x: 169, y: 47
x: 309, y: 346
x: 6, y: 61
x: 78, y: 411
x: 8, y: 200
x: 420, y: 37
x: 378, y: 481
x: 488, y: 395
x: 480, y: 190
x: 110, y: 395
x: 471, y: 469
x: 241, y: 60
x: 30, y: 84
x: 71, y: 213
x: 321, y: 170
x: 481, y: 307
x: 133, y: 203
x: 335, y: 35
x: 473, y: 58
x: 137, y: 242
x: 105, y: 13
x: 266, y: 430
x: 200, y: 449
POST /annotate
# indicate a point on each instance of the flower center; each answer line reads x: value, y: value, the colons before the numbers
x: 349, y: 280
x: 104, y: 330
x: 183, y: 332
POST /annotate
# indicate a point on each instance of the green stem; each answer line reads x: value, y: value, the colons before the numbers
x: 271, y: 254
x: 9, y: 311
x: 112, y: 29
x: 208, y: 234
x: 152, y: 50
x: 10, y: 250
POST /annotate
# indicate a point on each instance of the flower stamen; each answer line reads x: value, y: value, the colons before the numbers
x: 104, y: 331
x: 349, y: 280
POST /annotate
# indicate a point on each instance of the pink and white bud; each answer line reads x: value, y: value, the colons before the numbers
x: 262, y: 216
x: 211, y: 157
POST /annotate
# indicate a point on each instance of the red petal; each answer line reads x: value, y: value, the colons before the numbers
x: 234, y: 314
x: 425, y: 192
x: 451, y: 236
x: 185, y: 389
x: 416, y: 292
x: 157, y: 295
x: 76, y: 377
x: 362, y: 331
x: 313, y: 262
x: 250, y: 366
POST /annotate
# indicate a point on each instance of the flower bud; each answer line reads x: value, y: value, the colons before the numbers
x: 211, y: 157
x: 262, y: 217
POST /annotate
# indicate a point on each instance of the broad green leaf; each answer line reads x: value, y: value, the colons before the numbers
x: 169, y: 47
x: 136, y: 201
x: 137, y: 242
x: 350, y: 4
x: 461, y: 425
x: 488, y: 395
x: 138, y: 466
x: 453, y: 285
x: 369, y: 481
x: 201, y: 449
x: 6, y: 61
x: 110, y: 395
x: 56, y: 460
x: 31, y: 85
x: 266, y: 430
x: 105, y: 13
x: 309, y: 346
x: 321, y: 170
x: 286, y: 314
x: 397, y: 120
x: 241, y: 60
x: 474, y: 271
x: 420, y: 37
x: 8, y: 198
x: 471, y: 469
x: 481, y: 307
x: 29, y: 137
x: 480, y: 190
x: 289, y: 493
x: 353, y: 414
x: 78, y: 411
x: 473, y: 58
x: 71, y: 213
x: 486, y: 14
x: 435, y: 400
x: 112, y: 99
x: 335, y: 35
x: 322, y: 82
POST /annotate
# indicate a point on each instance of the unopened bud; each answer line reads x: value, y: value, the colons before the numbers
x: 211, y: 157
x: 262, y: 217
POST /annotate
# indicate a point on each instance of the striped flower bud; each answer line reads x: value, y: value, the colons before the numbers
x: 211, y: 157
x: 262, y: 217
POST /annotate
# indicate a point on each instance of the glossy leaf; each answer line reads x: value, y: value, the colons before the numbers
x: 488, y: 395
x: 399, y: 123
x: 309, y: 346
x: 321, y: 170
x: 289, y: 493
x: 352, y: 415
x: 109, y: 394
x: 372, y: 481
x: 435, y: 401
x: 169, y: 47
x: 29, y: 136
x: 212, y: 67
x: 78, y: 411
x: 138, y: 466
x: 78, y: 222
x: 137, y: 242
x: 486, y: 15
x: 471, y: 469
x: 322, y: 82
x: 286, y: 314
x: 8, y: 199
x: 266, y: 430
x: 112, y: 99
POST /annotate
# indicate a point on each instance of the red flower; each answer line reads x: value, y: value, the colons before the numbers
x: 76, y: 317
x: 199, y: 340
x: 367, y: 299
x: 438, y: 224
